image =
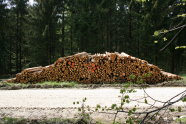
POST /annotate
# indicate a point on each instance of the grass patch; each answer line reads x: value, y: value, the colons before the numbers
x: 181, y: 120
x: 184, y: 77
x: 48, y: 84
x: 56, y: 84
x: 8, y: 120
x: 65, y: 84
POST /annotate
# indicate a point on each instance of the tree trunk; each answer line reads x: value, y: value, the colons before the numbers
x: 10, y: 57
x: 71, y: 51
x: 20, y: 44
x: 63, y: 34
x: 172, y: 60
x: 50, y: 42
x: 130, y: 21
x: 156, y: 54
x: 17, y: 42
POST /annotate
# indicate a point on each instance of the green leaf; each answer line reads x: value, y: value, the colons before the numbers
x: 132, y: 76
x: 113, y: 106
x: 122, y: 90
x: 130, y: 112
x: 165, y: 31
x: 131, y: 90
x: 79, y: 109
x: 184, y: 99
x: 141, y: 1
x: 164, y: 39
x: 179, y: 109
x: 172, y: 109
x: 180, y: 47
x: 146, y: 101
x: 156, y: 33
x: 127, y: 101
x: 126, y: 96
x: 98, y: 106
x: 84, y: 100
x: 127, y: 85
x: 182, y: 15
x: 134, y: 109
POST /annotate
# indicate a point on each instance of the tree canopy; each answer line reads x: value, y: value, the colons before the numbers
x: 38, y: 34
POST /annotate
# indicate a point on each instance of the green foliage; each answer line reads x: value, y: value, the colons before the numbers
x: 116, y: 123
x: 34, y: 35
x: 8, y: 120
x: 84, y: 111
x: 155, y: 41
x: 49, y: 84
x: 120, y: 107
x: 156, y: 33
x: 164, y: 39
x: 146, y: 75
x: 182, y: 15
x: 181, y: 120
x: 129, y: 121
x: 180, y: 47
x: 184, y: 99
x: 179, y: 109
x: 132, y: 77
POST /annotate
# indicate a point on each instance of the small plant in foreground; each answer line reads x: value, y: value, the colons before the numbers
x: 84, y: 111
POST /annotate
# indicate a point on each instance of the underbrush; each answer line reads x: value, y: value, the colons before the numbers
x: 15, y: 86
x: 53, y: 84
x: 8, y: 120
x: 184, y: 77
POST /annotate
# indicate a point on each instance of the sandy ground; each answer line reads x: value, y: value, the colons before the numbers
x: 50, y: 103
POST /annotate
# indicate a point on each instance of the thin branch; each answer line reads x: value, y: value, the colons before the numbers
x: 115, y: 117
x: 154, y: 110
x: 173, y: 29
x: 151, y: 97
x: 175, y: 36
x: 164, y: 106
x: 142, y: 122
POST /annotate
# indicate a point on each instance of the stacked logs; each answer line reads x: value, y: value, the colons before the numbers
x: 98, y: 68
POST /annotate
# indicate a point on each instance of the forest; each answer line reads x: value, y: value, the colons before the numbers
x: 38, y: 34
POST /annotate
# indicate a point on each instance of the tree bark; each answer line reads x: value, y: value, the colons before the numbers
x: 17, y: 41
x: 172, y: 60
x: 63, y: 33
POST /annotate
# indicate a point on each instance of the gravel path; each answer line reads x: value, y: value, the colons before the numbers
x: 32, y: 102
x: 65, y: 97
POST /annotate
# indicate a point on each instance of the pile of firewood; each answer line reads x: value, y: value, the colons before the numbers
x: 98, y: 68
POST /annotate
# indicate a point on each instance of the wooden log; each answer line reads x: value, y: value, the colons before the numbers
x: 86, y: 68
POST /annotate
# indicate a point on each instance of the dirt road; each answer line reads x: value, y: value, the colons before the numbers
x: 39, y: 103
x: 65, y: 97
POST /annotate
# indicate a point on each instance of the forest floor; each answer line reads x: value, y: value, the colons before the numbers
x: 34, y: 101
x: 48, y: 84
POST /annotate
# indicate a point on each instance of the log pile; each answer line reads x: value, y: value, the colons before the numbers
x: 98, y: 68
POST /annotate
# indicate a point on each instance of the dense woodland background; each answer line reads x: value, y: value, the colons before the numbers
x: 38, y: 34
